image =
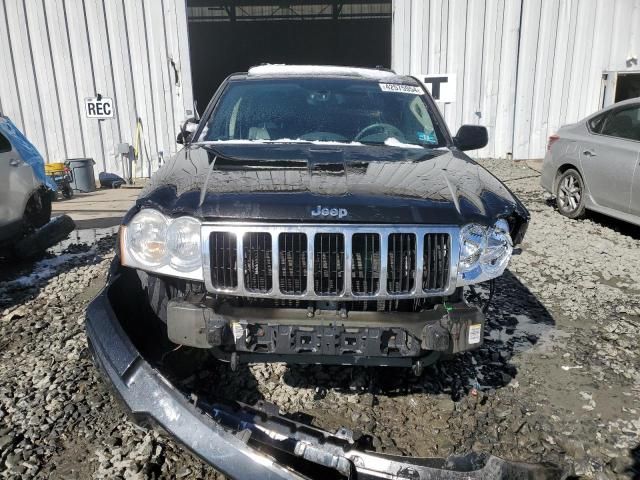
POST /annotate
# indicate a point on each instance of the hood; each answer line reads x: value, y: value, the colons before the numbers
x: 305, y: 182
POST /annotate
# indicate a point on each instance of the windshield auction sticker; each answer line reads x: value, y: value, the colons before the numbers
x: 401, y: 88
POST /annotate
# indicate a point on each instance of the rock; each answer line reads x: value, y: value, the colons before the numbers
x: 621, y: 464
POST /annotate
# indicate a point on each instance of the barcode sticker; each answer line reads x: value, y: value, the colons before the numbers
x: 401, y: 88
x: 474, y: 333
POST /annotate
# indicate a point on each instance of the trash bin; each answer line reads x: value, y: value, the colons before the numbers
x: 82, y: 174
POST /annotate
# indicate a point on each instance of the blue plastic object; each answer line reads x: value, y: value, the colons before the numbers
x: 27, y: 151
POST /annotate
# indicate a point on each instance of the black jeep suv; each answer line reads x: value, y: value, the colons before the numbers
x: 320, y: 215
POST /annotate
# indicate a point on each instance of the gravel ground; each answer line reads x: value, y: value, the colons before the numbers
x: 558, y: 377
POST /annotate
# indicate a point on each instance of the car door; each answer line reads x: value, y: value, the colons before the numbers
x: 609, y: 155
x: 16, y: 183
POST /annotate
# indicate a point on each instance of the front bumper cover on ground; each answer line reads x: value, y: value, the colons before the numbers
x: 255, y: 442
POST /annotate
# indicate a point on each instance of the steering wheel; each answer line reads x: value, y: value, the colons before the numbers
x: 387, y: 128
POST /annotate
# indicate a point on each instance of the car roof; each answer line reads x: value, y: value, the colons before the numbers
x: 623, y: 103
x: 314, y: 71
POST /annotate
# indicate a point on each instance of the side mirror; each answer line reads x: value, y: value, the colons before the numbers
x: 187, y: 131
x: 471, y: 137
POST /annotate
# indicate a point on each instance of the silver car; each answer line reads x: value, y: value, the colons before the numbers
x: 593, y: 164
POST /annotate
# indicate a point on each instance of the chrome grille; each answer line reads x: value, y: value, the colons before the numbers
x: 224, y: 273
x: 330, y: 262
x: 292, y: 252
x: 365, y: 267
x: 436, y: 261
x: 401, y: 263
x: 257, y: 262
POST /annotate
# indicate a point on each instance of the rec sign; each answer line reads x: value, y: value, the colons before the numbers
x: 98, y: 107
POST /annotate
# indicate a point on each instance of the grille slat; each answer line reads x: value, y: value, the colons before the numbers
x: 401, y: 263
x: 258, y: 276
x: 365, y: 271
x: 436, y: 261
x: 293, y: 263
x: 372, y: 263
x: 223, y: 266
x: 328, y: 259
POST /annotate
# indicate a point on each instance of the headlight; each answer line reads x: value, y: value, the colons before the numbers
x: 166, y: 246
x: 146, y: 238
x: 473, y: 241
x: 484, y: 252
x: 499, y: 249
x: 183, y: 243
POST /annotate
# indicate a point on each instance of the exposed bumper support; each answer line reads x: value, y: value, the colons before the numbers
x: 384, y: 339
x: 227, y: 437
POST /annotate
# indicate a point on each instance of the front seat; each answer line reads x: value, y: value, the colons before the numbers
x: 620, y: 126
x: 259, y: 133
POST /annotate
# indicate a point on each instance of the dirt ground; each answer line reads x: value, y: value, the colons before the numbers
x: 557, y: 379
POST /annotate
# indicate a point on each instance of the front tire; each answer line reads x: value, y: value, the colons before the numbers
x: 570, y: 194
x: 38, y: 210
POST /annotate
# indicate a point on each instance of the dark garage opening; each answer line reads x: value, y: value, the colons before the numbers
x: 227, y: 36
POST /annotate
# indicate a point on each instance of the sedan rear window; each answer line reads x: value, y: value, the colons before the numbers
x: 323, y: 110
x: 623, y: 123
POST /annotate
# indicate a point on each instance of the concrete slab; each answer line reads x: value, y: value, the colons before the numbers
x: 100, y: 209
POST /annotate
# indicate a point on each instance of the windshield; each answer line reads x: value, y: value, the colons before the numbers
x: 323, y: 110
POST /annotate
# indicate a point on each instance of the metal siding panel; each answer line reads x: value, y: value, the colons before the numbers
x: 581, y: 51
x: 401, y: 40
x: 184, y: 91
x: 555, y: 116
x: 437, y: 47
x: 122, y: 74
x: 173, y: 83
x: 526, y: 77
x: 417, y: 55
x: 503, y: 142
x: 136, y: 24
x: 456, y: 43
x: 160, y: 75
x: 32, y: 126
x: 9, y: 88
x: 69, y: 105
x: 491, y: 72
x: 83, y: 60
x: 542, y: 83
x: 474, y: 63
x: 46, y: 83
x: 104, y: 85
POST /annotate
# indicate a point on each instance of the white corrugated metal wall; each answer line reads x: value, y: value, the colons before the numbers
x: 55, y: 53
x: 523, y: 67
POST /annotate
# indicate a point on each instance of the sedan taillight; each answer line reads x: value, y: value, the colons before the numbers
x: 552, y: 139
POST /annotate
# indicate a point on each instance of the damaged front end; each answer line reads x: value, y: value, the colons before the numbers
x: 247, y: 441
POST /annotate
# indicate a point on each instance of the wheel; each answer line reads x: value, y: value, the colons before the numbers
x: 67, y: 192
x: 570, y: 194
x: 38, y: 210
x: 37, y: 242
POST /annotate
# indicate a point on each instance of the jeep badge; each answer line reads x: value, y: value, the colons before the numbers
x: 319, y: 211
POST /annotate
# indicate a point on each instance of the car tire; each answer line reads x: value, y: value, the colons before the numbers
x: 570, y: 194
x: 38, y: 210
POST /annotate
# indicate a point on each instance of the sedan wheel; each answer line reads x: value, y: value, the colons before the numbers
x: 570, y: 194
